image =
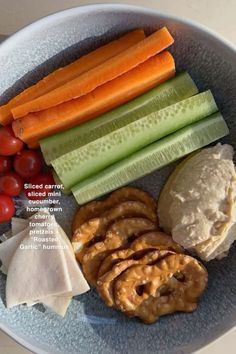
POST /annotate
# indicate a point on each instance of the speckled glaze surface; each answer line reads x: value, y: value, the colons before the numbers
x: 89, y: 326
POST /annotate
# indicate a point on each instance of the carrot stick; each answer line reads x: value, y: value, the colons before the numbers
x: 69, y: 72
x: 35, y: 126
x: 108, y: 70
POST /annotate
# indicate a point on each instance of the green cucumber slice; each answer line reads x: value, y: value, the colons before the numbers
x: 59, y: 182
x: 152, y: 157
x: 93, y: 157
x: 170, y: 92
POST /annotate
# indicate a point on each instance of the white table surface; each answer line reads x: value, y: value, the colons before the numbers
x: 219, y: 15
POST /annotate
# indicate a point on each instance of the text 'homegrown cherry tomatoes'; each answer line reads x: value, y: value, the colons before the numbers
x: 7, y: 208
x: 28, y: 163
x: 9, y: 145
x: 5, y: 164
x: 39, y: 186
x: 11, y: 184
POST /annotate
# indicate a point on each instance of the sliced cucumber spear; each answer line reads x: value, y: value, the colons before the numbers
x: 93, y: 157
x: 58, y: 182
x: 152, y: 157
x: 170, y: 92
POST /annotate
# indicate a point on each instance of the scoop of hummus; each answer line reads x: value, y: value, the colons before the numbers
x: 198, y: 203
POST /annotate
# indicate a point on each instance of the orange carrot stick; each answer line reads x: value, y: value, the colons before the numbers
x: 99, y: 75
x: 71, y: 71
x: 35, y: 126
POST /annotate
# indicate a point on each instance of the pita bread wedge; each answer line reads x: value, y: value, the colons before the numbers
x: 47, y: 266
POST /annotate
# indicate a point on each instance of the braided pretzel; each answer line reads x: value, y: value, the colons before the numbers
x: 150, y: 291
x: 151, y: 240
x: 156, y: 239
x: 96, y: 208
x: 97, y: 227
x: 105, y: 283
x: 118, y: 236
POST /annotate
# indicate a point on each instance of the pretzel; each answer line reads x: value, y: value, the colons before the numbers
x: 117, y: 236
x: 113, y: 258
x: 96, y: 208
x: 151, y: 240
x: 97, y: 227
x: 156, y: 239
x: 105, y: 283
x: 150, y: 291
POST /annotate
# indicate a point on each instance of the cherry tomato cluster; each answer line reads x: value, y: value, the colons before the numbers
x: 17, y: 166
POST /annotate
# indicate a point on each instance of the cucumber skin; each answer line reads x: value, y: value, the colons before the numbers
x: 180, y: 87
x: 90, y: 159
x: 58, y: 181
x: 151, y: 158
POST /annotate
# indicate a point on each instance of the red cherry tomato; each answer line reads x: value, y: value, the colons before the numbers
x: 11, y: 184
x: 9, y: 144
x: 7, y: 208
x: 28, y: 163
x: 39, y: 186
x: 5, y: 164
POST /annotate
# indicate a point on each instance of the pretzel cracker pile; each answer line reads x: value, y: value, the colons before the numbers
x: 135, y: 267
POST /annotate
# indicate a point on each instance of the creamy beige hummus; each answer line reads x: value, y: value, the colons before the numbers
x: 197, y: 204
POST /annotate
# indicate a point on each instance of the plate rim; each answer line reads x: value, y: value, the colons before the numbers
x: 116, y: 6
x: 35, y: 25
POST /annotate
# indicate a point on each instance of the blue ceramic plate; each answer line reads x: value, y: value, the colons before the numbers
x: 89, y: 326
